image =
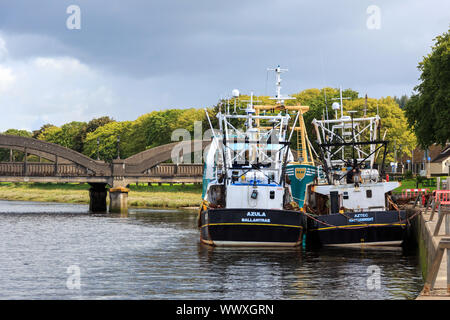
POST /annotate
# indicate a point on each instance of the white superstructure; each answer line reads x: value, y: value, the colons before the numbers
x: 349, y: 148
x: 244, y: 164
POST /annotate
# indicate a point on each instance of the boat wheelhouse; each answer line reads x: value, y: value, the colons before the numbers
x: 247, y: 200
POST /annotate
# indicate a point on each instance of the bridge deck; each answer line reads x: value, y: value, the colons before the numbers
x: 51, y: 172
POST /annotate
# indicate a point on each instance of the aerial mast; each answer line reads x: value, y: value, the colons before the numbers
x: 279, y: 97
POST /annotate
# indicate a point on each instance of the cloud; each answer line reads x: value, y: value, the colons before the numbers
x: 135, y: 57
x: 6, y: 79
x: 57, y: 90
x: 3, y: 50
x: 51, y: 89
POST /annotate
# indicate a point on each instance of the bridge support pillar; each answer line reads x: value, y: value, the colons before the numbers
x: 97, y: 197
x: 118, y: 200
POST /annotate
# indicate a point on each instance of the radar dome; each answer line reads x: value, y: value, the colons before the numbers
x: 235, y: 93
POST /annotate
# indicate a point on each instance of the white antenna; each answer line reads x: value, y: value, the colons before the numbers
x: 235, y: 94
x: 250, y: 109
x: 341, y: 98
x: 279, y: 97
x: 250, y: 105
x: 335, y: 106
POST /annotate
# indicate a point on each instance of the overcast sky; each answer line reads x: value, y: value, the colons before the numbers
x: 132, y: 57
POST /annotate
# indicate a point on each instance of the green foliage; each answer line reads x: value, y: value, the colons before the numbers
x: 157, y: 127
x: 107, y: 136
x: 70, y: 135
x: 393, y: 122
x: 428, y: 110
x: 319, y: 101
x: 17, y: 155
x: 36, y: 133
x: 316, y: 99
x: 419, y: 180
x: 96, y: 123
x: 408, y: 175
x: 402, y: 101
x: 20, y: 133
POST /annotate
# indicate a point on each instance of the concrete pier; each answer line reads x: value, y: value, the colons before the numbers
x: 97, y: 196
x: 428, y: 245
x: 118, y: 200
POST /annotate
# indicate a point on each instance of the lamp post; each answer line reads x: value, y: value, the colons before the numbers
x: 447, y: 163
x: 98, y: 146
x: 118, y: 147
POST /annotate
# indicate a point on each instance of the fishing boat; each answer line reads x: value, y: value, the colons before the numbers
x: 247, y: 200
x: 350, y: 203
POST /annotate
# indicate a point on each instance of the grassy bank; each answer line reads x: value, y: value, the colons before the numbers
x: 411, y: 184
x: 164, y: 196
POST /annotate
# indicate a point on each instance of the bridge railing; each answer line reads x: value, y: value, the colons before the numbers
x: 38, y: 169
x: 34, y: 169
x: 169, y: 169
x: 11, y: 169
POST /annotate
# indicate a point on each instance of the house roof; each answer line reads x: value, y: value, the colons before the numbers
x: 436, y: 152
x: 443, y: 155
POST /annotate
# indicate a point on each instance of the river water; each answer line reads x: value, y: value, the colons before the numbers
x: 59, y: 251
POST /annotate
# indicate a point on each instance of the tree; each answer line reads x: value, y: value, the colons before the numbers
x: 402, y: 101
x: 97, y: 122
x: 20, y: 133
x: 17, y: 155
x: 428, y: 111
x: 51, y: 134
x: 70, y: 135
x: 107, y: 136
x: 393, y: 122
x: 36, y: 133
x: 319, y: 101
x: 157, y: 126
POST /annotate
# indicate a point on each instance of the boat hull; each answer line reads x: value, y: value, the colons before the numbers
x: 300, y: 175
x: 251, y: 227
x: 357, y: 228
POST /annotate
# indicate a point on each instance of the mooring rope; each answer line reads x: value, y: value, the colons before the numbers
x: 333, y: 226
x: 400, y: 221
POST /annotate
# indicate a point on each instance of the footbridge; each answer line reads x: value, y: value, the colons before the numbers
x: 62, y: 165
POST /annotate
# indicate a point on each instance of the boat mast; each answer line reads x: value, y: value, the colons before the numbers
x: 279, y: 97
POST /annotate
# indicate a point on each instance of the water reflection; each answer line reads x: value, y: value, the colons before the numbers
x: 156, y: 254
x: 333, y: 273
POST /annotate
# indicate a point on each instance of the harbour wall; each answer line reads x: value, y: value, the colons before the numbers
x: 427, y: 248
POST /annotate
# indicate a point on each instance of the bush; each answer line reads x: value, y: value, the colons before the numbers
x: 408, y: 174
x: 419, y: 180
